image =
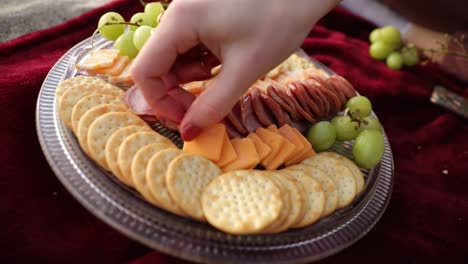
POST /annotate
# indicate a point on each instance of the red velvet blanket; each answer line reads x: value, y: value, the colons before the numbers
x: 427, y: 219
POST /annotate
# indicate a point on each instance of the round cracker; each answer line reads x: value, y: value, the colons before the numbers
x: 278, y: 225
x: 89, y: 102
x: 111, y: 150
x: 77, y: 92
x: 242, y: 202
x: 103, y: 127
x: 296, y: 199
x: 82, y: 79
x: 88, y: 118
x: 186, y: 178
x: 156, y: 171
x: 314, y: 197
x: 328, y: 185
x: 138, y: 169
x: 131, y: 145
x: 358, y: 176
x: 341, y: 175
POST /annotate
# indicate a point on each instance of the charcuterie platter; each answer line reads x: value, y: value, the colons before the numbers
x: 273, y: 195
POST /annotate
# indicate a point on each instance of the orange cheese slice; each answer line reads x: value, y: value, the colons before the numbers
x: 228, y: 153
x: 115, y: 69
x: 310, y: 151
x: 124, y: 77
x: 209, y: 143
x: 98, y: 59
x: 247, y: 156
x: 195, y: 88
x: 273, y: 140
x: 262, y: 149
x: 287, y: 147
x: 287, y: 132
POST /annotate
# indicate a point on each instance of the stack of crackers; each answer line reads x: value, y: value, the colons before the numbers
x: 245, y: 201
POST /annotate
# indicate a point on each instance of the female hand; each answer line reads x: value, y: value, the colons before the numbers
x: 248, y: 37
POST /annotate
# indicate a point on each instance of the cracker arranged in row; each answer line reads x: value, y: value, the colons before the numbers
x: 88, y: 102
x: 358, y: 176
x: 328, y: 185
x: 89, y: 117
x: 186, y: 178
x: 77, y: 92
x: 242, y: 202
x: 131, y: 144
x: 82, y: 79
x: 112, y: 148
x: 156, y: 172
x: 340, y: 174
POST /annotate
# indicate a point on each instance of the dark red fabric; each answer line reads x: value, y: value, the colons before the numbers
x: 427, y: 219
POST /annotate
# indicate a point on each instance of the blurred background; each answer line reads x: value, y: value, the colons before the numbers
x: 21, y: 17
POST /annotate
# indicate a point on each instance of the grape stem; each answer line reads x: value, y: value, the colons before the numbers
x: 360, y: 121
x: 108, y: 24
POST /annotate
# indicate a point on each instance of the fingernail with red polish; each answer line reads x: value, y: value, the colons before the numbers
x: 190, y: 132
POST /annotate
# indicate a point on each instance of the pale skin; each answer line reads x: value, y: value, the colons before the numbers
x: 249, y: 37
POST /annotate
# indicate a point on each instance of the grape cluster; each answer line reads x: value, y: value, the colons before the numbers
x: 386, y: 44
x: 356, y: 124
x: 112, y: 26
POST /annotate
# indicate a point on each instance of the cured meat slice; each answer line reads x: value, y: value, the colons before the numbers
x: 249, y: 119
x: 235, y: 117
x: 295, y: 89
x: 263, y: 114
x: 272, y: 93
x: 288, y: 100
x: 313, y: 94
x: 231, y: 129
x: 335, y: 104
x: 137, y: 102
x: 275, y: 109
x: 333, y: 87
x: 298, y: 107
x: 309, y: 100
x: 302, y: 126
x: 313, y: 85
x: 345, y: 86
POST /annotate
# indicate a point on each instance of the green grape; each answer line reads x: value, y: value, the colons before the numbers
x: 379, y: 50
x: 372, y: 124
x: 391, y: 36
x: 140, y: 19
x: 368, y: 148
x: 410, y: 55
x: 395, y: 60
x: 374, y: 35
x: 359, y: 106
x: 111, y: 32
x: 141, y: 35
x: 322, y: 135
x: 124, y: 43
x: 345, y: 128
x: 153, y: 10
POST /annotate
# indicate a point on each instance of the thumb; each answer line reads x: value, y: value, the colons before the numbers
x: 240, y: 69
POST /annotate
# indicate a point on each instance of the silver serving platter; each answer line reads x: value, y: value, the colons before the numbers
x: 125, y: 210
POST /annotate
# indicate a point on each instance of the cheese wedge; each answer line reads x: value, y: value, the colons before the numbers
x: 310, y: 151
x: 228, y: 153
x: 273, y: 140
x: 262, y: 149
x: 287, y: 132
x: 115, y: 69
x: 209, y: 143
x: 247, y: 156
x: 287, y: 147
x: 98, y: 59
x: 124, y: 77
